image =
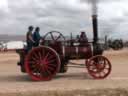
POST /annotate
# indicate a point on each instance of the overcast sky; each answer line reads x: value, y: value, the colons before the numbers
x: 65, y: 16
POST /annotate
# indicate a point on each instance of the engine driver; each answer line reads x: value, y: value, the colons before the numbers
x: 83, y: 38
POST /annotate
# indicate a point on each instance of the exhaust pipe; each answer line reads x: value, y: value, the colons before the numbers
x: 97, y: 48
x: 95, y: 28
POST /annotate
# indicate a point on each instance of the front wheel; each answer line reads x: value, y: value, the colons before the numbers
x: 42, y: 63
x: 99, y: 67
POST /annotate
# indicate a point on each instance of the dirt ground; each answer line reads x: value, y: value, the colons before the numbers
x: 12, y: 80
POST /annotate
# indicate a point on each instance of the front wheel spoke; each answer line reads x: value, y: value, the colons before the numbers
x: 92, y: 71
x: 107, y: 70
x: 96, y: 74
x: 101, y: 62
x: 106, y: 66
x: 93, y: 68
x: 91, y: 64
x: 104, y: 61
x: 98, y: 59
x: 101, y: 75
x: 101, y: 66
x: 104, y: 72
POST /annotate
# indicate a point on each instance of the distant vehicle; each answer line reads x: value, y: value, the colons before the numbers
x: 115, y: 44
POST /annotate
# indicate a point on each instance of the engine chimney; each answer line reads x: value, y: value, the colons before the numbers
x: 95, y: 28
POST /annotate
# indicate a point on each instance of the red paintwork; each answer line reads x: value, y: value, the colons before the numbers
x: 83, y: 52
x: 99, y: 67
x: 61, y: 51
x: 42, y: 63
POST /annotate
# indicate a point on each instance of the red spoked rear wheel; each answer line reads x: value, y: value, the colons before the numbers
x: 42, y: 63
x: 99, y: 67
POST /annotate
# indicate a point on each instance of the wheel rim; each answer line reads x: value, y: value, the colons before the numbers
x: 42, y: 63
x: 99, y: 67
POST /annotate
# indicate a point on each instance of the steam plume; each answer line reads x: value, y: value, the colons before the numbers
x: 93, y: 5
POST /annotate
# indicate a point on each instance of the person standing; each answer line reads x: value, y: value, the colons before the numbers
x: 36, y: 37
x: 83, y: 39
x: 29, y: 38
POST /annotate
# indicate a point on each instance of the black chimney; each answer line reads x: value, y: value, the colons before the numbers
x: 95, y: 28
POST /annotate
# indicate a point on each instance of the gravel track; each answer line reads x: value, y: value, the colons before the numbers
x: 12, y: 80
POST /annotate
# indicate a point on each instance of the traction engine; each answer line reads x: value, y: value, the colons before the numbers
x: 54, y: 52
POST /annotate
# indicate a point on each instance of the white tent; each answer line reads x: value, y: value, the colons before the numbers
x: 14, y: 45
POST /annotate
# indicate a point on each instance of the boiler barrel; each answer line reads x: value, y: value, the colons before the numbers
x: 77, y: 52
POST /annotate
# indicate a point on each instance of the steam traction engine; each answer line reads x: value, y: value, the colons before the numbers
x: 52, y: 56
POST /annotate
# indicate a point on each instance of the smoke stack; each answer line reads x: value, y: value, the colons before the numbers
x: 95, y: 28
